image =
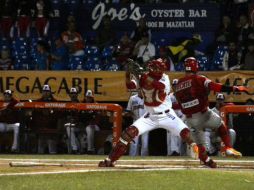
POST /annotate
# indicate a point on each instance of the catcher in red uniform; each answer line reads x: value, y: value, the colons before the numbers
x: 192, y: 95
x: 155, y: 87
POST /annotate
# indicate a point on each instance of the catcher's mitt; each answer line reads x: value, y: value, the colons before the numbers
x: 134, y: 68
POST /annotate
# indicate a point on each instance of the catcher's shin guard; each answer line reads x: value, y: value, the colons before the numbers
x: 127, y: 136
x: 185, y: 135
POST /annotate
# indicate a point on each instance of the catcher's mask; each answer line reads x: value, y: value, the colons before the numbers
x: 191, y: 64
x: 156, y: 67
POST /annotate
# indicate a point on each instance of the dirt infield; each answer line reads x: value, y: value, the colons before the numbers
x: 26, y: 166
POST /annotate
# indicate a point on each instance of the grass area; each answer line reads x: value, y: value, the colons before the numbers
x: 159, y: 180
x: 188, y: 179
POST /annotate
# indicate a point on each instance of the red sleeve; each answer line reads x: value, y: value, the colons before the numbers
x: 215, y: 86
x: 131, y: 85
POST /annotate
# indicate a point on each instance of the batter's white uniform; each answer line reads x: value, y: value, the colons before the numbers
x: 136, y: 106
x: 161, y: 116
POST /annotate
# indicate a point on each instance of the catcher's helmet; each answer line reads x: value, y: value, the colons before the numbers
x: 191, y: 64
x: 157, y: 67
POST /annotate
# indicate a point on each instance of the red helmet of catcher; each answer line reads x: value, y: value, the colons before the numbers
x: 191, y: 64
x: 157, y: 67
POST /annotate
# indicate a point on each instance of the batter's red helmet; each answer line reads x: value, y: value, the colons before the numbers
x: 191, y: 64
x: 157, y: 67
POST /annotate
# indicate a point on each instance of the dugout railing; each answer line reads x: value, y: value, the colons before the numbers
x: 225, y: 110
x: 115, y: 108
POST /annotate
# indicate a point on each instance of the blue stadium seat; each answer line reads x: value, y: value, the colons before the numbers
x: 4, y: 43
x: 107, y: 52
x: 93, y: 64
x: 217, y: 61
x: 204, y: 63
x: 112, y: 65
x: 92, y: 52
x: 179, y: 66
x: 76, y: 63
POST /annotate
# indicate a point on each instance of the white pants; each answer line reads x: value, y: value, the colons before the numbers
x: 4, y: 127
x: 44, y: 142
x: 200, y: 121
x: 168, y: 121
x: 173, y: 143
x: 90, y: 130
x: 134, y: 146
x: 75, y: 142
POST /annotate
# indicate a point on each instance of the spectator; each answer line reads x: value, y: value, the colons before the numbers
x: 136, y: 109
x: 59, y: 55
x: 186, y: 48
x: 7, y: 18
x: 9, y: 119
x: 144, y: 49
x: 72, y: 38
x: 41, y: 21
x: 24, y: 18
x: 106, y: 35
x: 232, y: 57
x: 5, y: 60
x: 138, y: 32
x: 44, y: 123
x: 42, y: 56
x: 243, y: 31
x: 248, y: 63
x: 73, y: 126
x: 226, y: 31
x: 124, y: 50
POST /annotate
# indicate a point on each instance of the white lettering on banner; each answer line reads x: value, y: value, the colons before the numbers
x: 174, y: 24
x: 181, y: 24
x: 96, y: 107
x: 55, y: 105
x: 250, y: 109
x: 197, y: 13
x: 174, y: 13
x: 100, y: 11
x: 190, y: 103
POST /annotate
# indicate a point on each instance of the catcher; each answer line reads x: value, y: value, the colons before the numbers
x: 155, y: 86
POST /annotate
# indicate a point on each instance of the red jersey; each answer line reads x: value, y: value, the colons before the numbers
x: 192, y: 93
x: 10, y: 115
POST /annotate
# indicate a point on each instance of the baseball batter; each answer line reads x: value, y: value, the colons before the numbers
x: 155, y: 86
x: 192, y: 95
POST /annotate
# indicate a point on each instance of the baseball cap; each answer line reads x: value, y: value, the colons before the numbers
x: 46, y: 87
x: 8, y: 92
x: 73, y: 90
x: 89, y: 93
x: 174, y: 82
x: 220, y: 96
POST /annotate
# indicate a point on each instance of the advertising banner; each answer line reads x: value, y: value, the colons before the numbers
x: 107, y: 86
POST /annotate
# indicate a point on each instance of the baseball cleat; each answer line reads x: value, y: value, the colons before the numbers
x: 194, y: 150
x: 106, y: 163
x: 230, y: 152
x: 211, y: 164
